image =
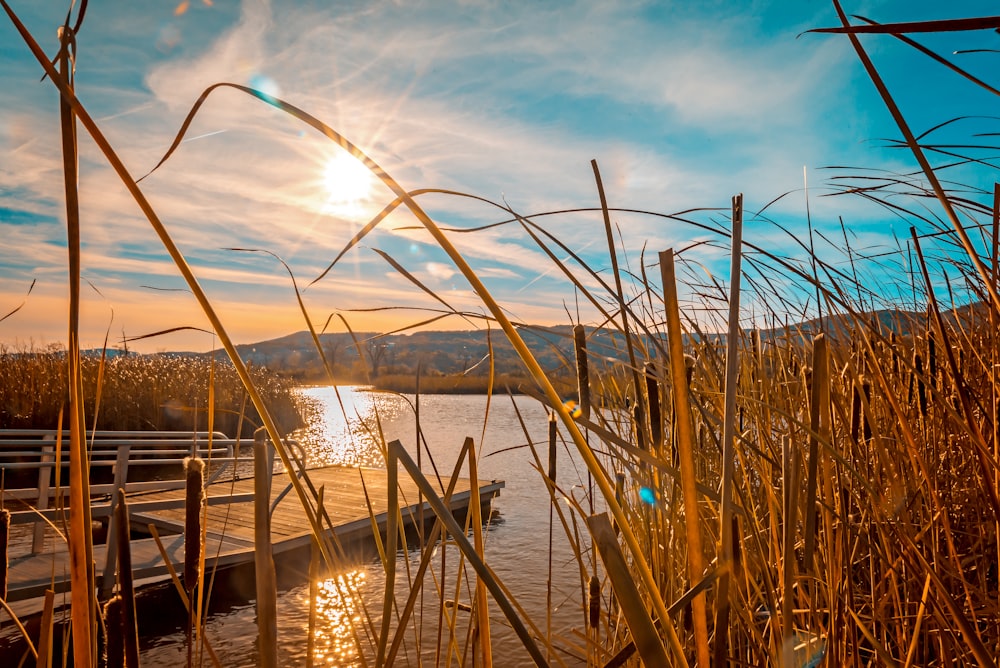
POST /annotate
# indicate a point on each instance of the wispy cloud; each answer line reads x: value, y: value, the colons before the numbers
x: 682, y: 106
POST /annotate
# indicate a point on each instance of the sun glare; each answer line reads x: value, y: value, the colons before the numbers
x: 348, y: 183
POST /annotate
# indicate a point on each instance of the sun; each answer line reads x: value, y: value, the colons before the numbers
x: 348, y: 183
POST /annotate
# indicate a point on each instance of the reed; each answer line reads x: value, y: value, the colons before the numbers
x: 194, y: 545
x: 816, y: 489
x: 159, y: 392
x: 4, y: 545
x: 128, y: 628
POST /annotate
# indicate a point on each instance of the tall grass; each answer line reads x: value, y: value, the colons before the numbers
x: 792, y: 492
x: 161, y: 392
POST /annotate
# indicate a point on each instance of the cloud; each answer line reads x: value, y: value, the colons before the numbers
x: 682, y: 106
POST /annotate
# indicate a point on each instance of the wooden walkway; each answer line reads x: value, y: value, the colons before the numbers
x: 230, y: 526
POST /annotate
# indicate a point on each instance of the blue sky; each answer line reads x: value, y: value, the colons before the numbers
x: 682, y: 104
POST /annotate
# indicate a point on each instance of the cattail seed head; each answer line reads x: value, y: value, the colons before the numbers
x: 114, y: 622
x: 4, y: 541
x: 194, y: 469
x: 595, y: 602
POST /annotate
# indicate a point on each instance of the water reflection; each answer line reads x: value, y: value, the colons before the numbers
x: 343, y: 425
x: 338, y: 619
x: 343, y: 431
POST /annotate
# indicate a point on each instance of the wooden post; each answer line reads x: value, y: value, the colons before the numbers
x: 267, y: 615
x: 117, y: 497
x: 45, y: 474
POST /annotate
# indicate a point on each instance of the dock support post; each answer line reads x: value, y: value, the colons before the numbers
x: 267, y: 615
x: 45, y: 473
x: 117, y: 497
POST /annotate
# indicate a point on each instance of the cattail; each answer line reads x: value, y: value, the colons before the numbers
x: 855, y: 413
x: 895, y: 353
x: 126, y: 590
x: 918, y: 375
x: 653, y: 396
x: 619, y: 493
x: 595, y: 601
x: 552, y: 447
x: 4, y: 540
x: 194, y: 468
x: 582, y: 372
x: 114, y: 623
x: 689, y: 364
x: 737, y: 543
x: 866, y: 388
x: 637, y: 418
x: 931, y: 361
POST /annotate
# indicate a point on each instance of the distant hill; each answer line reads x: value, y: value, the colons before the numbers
x: 465, y: 352
x: 435, y: 352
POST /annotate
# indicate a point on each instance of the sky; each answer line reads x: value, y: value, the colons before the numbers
x: 682, y: 105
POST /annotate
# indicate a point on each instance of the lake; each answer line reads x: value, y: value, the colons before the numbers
x: 516, y: 543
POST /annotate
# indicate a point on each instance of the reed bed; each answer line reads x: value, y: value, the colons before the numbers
x: 160, y: 392
x: 819, y: 487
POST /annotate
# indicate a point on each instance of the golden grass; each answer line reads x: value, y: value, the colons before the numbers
x: 158, y: 392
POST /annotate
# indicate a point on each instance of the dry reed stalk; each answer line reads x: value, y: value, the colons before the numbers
x: 789, y: 468
x: 482, y: 604
x: 389, y: 559
x: 313, y: 590
x: 925, y: 166
x: 425, y: 560
x: 819, y: 428
x: 44, y: 659
x: 644, y: 634
x: 961, y: 388
x: 84, y: 613
x: 398, y: 455
x: 623, y: 311
x: 726, y: 517
x: 685, y: 447
x: 551, y: 475
x: 497, y: 312
x: 179, y: 588
x: 912, y: 648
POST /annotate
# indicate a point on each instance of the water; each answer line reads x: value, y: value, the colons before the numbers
x: 516, y: 544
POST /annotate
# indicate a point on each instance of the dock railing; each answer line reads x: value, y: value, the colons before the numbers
x: 47, y: 451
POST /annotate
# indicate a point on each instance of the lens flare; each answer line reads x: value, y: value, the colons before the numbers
x: 573, y: 408
x: 264, y: 84
x: 647, y: 496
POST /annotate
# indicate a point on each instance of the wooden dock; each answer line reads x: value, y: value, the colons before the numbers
x: 230, y: 526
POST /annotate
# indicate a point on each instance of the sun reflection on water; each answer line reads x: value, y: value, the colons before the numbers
x: 344, y: 431
x: 338, y: 620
